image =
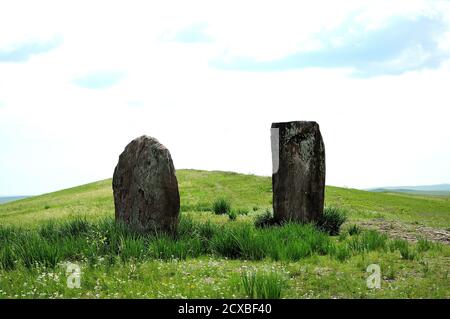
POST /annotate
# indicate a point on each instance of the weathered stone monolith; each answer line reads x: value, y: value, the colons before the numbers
x: 145, y: 187
x: 298, y: 176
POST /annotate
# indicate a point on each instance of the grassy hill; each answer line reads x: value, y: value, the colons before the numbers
x: 198, y: 189
x: 212, y: 255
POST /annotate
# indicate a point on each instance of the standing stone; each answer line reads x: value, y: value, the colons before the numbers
x: 298, y: 176
x: 145, y: 187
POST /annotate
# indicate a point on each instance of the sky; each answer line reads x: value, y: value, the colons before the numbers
x: 80, y: 79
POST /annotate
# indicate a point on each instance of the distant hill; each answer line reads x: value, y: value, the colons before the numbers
x: 6, y: 199
x: 438, y: 189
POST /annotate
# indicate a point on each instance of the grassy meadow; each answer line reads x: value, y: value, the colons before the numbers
x: 223, y: 254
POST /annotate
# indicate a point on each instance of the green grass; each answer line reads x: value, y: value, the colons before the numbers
x: 263, y: 284
x: 221, y: 206
x: 232, y: 215
x: 428, y: 210
x: 332, y: 220
x: 220, y: 255
x: 199, y: 189
x: 265, y: 219
x: 79, y: 240
x: 354, y: 230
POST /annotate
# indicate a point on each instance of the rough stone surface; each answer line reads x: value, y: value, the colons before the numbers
x: 145, y: 187
x: 298, y: 180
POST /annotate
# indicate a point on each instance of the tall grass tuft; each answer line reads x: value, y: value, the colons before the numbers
x: 75, y: 227
x: 7, y: 258
x: 132, y: 248
x: 342, y: 252
x: 165, y: 248
x: 229, y: 241
x: 354, y: 230
x: 31, y: 250
x: 242, y: 211
x: 221, y: 206
x: 291, y: 241
x: 206, y: 230
x: 368, y: 241
x: 424, y: 244
x: 332, y: 220
x: 265, y: 220
x: 406, y: 252
x: 232, y: 215
x: 263, y: 285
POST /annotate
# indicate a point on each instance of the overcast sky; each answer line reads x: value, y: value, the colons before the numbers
x: 81, y: 79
